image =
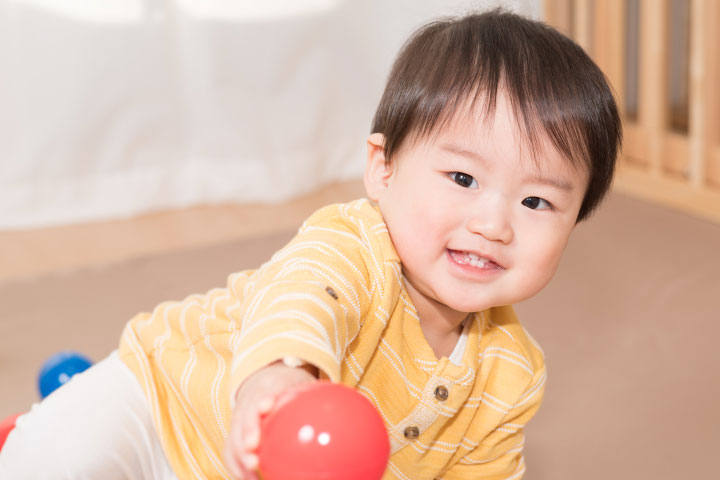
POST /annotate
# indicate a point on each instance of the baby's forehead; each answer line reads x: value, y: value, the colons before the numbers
x: 474, y: 126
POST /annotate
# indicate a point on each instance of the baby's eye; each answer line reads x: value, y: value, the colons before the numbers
x: 536, y: 203
x: 463, y: 179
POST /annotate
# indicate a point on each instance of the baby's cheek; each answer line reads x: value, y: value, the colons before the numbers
x: 544, y: 265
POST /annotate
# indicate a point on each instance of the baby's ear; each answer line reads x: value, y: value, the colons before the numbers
x: 377, y: 170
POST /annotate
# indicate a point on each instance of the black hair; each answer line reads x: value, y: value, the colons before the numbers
x: 552, y: 84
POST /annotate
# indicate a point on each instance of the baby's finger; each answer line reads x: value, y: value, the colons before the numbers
x: 251, y: 438
x: 249, y: 465
x: 265, y: 405
x: 251, y: 427
x: 250, y: 461
x: 241, y: 466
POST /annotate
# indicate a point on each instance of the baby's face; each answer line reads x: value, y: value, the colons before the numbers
x: 475, y: 220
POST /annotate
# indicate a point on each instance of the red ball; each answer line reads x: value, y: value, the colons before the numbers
x: 6, y: 427
x: 323, y: 431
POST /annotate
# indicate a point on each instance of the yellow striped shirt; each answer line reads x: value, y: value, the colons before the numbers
x: 335, y: 298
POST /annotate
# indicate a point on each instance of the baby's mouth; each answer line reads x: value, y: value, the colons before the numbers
x: 468, y: 258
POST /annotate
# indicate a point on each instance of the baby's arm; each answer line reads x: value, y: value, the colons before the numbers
x: 255, y: 397
x: 308, y: 302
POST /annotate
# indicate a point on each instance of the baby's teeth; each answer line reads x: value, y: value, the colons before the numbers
x: 471, y: 259
x: 477, y: 261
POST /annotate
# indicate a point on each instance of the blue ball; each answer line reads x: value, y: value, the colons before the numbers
x: 59, y: 369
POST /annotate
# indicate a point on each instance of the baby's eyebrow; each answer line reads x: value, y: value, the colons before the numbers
x: 464, y: 152
x: 559, y: 183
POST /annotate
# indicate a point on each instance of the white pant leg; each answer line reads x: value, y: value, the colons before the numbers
x: 96, y: 426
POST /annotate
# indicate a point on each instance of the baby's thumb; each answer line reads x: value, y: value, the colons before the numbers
x: 251, y: 430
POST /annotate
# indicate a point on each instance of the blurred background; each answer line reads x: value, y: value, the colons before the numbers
x: 149, y: 148
x: 116, y: 108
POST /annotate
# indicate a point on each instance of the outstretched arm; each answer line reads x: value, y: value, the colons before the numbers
x: 308, y: 302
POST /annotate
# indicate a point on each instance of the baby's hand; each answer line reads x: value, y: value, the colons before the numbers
x: 256, y: 397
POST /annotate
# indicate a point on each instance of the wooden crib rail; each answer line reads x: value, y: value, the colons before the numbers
x: 662, y: 58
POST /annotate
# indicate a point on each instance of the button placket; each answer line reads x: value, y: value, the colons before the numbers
x: 426, y: 412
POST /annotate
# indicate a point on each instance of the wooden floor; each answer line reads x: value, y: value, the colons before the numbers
x: 629, y: 325
x: 27, y: 254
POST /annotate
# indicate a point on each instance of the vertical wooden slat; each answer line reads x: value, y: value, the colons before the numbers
x: 711, y: 100
x: 558, y: 13
x: 609, y: 41
x: 583, y: 17
x: 653, y: 31
x: 713, y: 169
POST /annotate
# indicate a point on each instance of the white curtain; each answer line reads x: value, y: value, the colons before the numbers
x: 112, y: 108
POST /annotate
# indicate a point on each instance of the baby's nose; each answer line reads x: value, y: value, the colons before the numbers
x: 492, y: 222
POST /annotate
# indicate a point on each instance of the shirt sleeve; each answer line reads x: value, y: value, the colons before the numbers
x: 308, y: 301
x: 500, y: 454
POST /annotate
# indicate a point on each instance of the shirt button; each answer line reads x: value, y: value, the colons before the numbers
x: 331, y: 292
x: 411, y: 433
x: 441, y: 393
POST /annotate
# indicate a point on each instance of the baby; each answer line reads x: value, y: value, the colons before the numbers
x: 494, y: 137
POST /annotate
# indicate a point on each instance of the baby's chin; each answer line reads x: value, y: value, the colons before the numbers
x: 474, y: 304
x: 467, y: 306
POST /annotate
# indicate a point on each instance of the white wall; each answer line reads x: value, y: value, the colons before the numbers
x: 114, y: 108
